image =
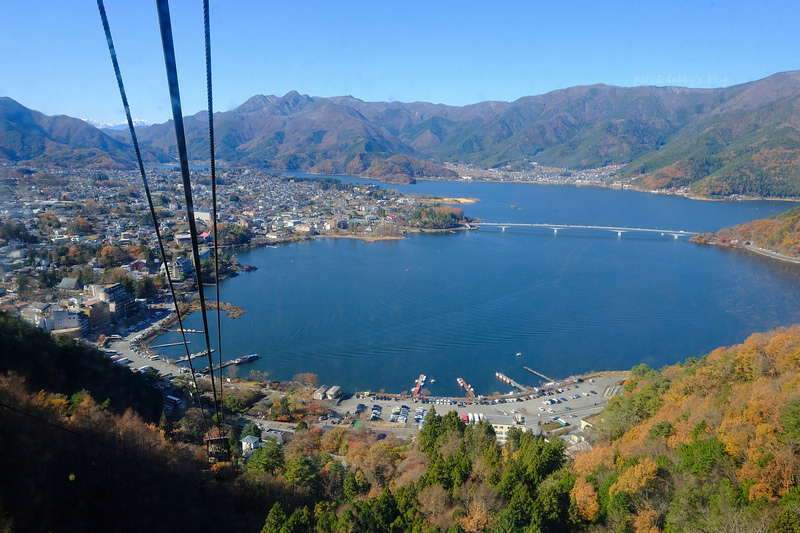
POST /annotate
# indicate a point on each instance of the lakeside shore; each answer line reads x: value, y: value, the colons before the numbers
x: 746, y: 247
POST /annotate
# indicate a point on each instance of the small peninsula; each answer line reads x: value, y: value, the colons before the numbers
x: 777, y: 236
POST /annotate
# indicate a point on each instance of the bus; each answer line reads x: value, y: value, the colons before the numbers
x: 172, y: 400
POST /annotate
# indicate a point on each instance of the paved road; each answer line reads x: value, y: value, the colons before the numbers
x: 770, y: 253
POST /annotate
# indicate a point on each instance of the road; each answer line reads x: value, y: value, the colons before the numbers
x: 770, y: 253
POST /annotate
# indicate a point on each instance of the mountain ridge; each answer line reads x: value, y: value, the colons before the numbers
x: 743, y: 139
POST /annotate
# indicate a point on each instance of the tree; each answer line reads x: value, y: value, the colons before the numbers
x: 791, y: 422
x: 637, y: 477
x: 152, y: 375
x: 430, y: 432
x: 23, y: 284
x: 280, y: 408
x: 114, y: 256
x: 144, y: 287
x: 299, y: 522
x: 236, y: 235
x: 585, y: 497
x: 15, y: 229
x: 300, y: 471
x: 118, y: 275
x: 48, y: 221
x: 267, y: 458
x: 307, y: 378
x: 234, y: 404
x: 275, y: 519
x: 79, y: 226
x: 87, y: 276
x: 251, y: 430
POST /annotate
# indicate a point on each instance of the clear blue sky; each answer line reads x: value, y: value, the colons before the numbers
x: 54, y: 57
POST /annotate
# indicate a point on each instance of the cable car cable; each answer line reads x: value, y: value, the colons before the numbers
x: 165, y: 26
x: 134, y: 139
x: 209, y: 86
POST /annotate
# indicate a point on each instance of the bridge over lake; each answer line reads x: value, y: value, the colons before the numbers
x: 618, y: 230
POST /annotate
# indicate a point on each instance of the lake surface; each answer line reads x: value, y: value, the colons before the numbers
x: 374, y: 316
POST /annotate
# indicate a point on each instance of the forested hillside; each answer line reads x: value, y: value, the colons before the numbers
x: 705, y: 445
x: 778, y: 233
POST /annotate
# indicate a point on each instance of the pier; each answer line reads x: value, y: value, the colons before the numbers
x: 168, y: 344
x: 503, y: 377
x: 467, y: 387
x: 194, y: 356
x: 206, y: 371
x: 532, y: 371
x: 418, y: 384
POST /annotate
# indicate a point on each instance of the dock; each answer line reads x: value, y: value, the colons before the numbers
x: 534, y: 372
x: 418, y: 385
x: 168, y: 344
x: 467, y: 387
x: 206, y: 371
x: 194, y: 355
x: 503, y: 377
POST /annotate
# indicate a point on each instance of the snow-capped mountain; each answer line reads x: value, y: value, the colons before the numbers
x: 120, y: 126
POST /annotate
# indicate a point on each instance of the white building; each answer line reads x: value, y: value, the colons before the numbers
x: 319, y: 394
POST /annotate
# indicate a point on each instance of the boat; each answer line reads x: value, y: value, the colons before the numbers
x: 519, y: 354
x: 433, y: 380
x: 246, y: 358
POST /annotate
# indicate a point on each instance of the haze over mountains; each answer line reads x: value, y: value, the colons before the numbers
x: 741, y: 139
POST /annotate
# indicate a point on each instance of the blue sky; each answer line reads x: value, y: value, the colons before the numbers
x: 54, y: 57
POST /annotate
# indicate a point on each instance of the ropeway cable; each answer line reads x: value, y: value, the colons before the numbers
x: 135, y: 141
x: 207, y: 27
x: 180, y: 135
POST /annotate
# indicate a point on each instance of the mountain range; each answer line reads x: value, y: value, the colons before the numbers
x: 743, y: 139
x: 121, y: 126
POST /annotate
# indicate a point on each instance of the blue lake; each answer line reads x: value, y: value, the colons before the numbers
x: 374, y: 316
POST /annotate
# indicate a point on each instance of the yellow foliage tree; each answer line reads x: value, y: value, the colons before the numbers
x: 585, y: 497
x: 637, y: 477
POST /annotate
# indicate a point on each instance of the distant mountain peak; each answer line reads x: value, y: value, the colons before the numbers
x: 118, y: 126
x: 723, y: 140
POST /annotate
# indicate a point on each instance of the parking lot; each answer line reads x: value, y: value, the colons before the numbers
x: 566, y: 400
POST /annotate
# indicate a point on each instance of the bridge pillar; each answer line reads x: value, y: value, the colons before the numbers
x: 619, y: 234
x: 555, y: 231
x: 676, y: 236
x: 503, y: 228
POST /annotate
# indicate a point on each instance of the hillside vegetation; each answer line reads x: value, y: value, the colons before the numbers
x: 705, y: 445
x: 778, y: 233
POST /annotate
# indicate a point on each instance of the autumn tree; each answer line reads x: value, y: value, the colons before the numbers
x: 79, y: 226
x: 585, y: 496
x: 307, y: 378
